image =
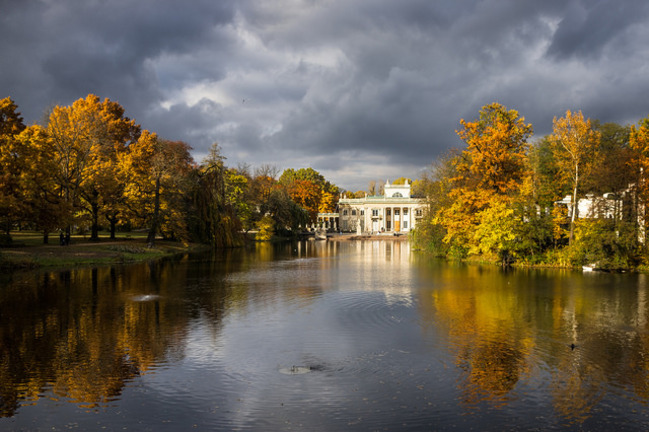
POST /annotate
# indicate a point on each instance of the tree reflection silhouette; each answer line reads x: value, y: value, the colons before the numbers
x: 78, y: 334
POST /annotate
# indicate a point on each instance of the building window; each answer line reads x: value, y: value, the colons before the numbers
x: 405, y: 224
x: 375, y: 212
x: 345, y: 212
x: 405, y: 212
x: 387, y: 212
x: 397, y: 195
x: 353, y: 212
x: 362, y: 212
x: 396, y: 212
x: 388, y: 225
x: 418, y: 212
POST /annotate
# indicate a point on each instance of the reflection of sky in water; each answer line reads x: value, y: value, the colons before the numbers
x: 391, y: 341
x: 349, y: 317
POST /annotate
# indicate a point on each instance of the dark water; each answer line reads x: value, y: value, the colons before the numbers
x: 323, y: 337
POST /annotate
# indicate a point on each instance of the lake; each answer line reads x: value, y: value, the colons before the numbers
x: 323, y: 336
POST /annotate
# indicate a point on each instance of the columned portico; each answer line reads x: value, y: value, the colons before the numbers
x: 395, y: 212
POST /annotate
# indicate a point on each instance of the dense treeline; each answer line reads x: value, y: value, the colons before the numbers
x: 574, y: 197
x: 90, y: 167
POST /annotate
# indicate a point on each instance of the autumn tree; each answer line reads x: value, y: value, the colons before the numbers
x: 237, y: 186
x: 544, y: 172
x: 327, y: 202
x: 73, y: 131
x: 574, y: 144
x: 492, y: 169
x: 212, y: 216
x: 615, y: 169
x: 306, y: 194
x: 157, y: 172
x: 43, y: 201
x: 435, y: 185
x: 402, y: 181
x: 11, y: 124
x: 639, y: 143
x: 309, y: 189
x: 495, y: 158
x: 290, y: 175
x: 102, y: 187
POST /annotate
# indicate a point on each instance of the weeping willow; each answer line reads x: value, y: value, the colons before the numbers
x: 213, y: 221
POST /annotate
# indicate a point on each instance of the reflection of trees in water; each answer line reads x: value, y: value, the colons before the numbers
x: 505, y: 328
x: 79, y: 334
x: 82, y: 334
x: 577, y: 386
x: 483, y: 320
x: 492, y: 369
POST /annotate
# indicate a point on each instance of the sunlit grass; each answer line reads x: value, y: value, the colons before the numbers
x: 35, y: 238
x: 28, y: 251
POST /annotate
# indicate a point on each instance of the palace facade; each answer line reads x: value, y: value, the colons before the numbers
x: 395, y: 211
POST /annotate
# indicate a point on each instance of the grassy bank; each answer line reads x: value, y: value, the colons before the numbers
x: 28, y: 251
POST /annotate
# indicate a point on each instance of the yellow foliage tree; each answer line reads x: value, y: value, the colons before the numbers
x: 11, y: 124
x: 40, y: 185
x: 87, y: 136
x: 157, y: 172
x: 496, y: 154
x: 639, y: 143
x: 574, y: 144
x: 492, y: 169
x: 327, y: 202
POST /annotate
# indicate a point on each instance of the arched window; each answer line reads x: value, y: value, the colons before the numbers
x: 397, y: 195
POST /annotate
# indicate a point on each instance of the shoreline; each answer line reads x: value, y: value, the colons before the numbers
x: 82, y: 252
x: 30, y: 255
x: 365, y: 237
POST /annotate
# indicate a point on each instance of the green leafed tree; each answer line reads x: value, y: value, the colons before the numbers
x: 212, y: 216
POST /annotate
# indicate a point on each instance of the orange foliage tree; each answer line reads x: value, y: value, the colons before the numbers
x: 492, y: 169
x: 158, y: 173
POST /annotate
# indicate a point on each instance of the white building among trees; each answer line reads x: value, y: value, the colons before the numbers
x: 395, y: 211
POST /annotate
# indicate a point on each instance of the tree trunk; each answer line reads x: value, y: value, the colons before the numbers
x: 94, y: 235
x: 575, y: 207
x: 46, y: 237
x: 112, y: 220
x: 572, y: 218
x: 153, y: 229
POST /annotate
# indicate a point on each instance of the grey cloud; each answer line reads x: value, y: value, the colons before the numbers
x: 350, y: 87
x: 588, y: 27
x: 72, y: 49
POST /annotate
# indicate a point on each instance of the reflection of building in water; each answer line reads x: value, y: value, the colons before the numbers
x: 384, y: 266
x: 395, y: 211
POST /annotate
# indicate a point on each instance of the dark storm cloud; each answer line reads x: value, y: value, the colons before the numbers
x: 360, y: 90
x: 587, y: 28
x: 71, y: 48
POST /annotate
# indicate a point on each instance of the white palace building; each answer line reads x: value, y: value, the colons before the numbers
x: 395, y: 211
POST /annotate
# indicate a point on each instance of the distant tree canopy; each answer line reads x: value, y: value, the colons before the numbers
x: 309, y: 189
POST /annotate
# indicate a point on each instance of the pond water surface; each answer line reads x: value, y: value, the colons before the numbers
x: 323, y: 336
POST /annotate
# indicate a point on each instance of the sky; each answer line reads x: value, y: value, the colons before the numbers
x: 358, y: 90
